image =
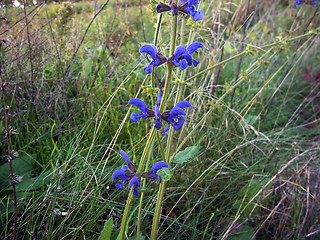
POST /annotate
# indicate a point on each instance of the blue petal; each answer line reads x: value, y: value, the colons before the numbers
x: 149, y: 49
x: 194, y: 47
x: 157, y: 117
x: 192, y: 2
x: 159, y: 98
x: 119, y: 184
x: 196, y: 16
x: 183, y: 104
x: 176, y: 63
x: 125, y: 156
x: 183, y: 64
x: 156, y: 167
x: 120, y: 173
x: 148, y: 69
x: 139, y: 104
x: 165, y: 130
x: 124, y: 167
x: 188, y: 58
x: 156, y: 112
x: 179, y: 52
x: 195, y: 62
x: 135, y: 117
x: 175, y: 112
x: 178, y: 125
x: 135, y: 183
x: 158, y: 124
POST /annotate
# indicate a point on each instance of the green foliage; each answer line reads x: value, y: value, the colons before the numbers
x: 186, y: 155
x: 248, y: 199
x: 107, y: 230
x: 71, y: 121
x: 26, y: 181
x: 245, y: 232
x: 165, y: 174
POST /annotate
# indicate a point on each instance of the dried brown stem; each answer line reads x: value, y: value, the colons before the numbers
x: 9, y: 156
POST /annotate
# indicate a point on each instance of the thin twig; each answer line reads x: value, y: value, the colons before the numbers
x: 10, y: 157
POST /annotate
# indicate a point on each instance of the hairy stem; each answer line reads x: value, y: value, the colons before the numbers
x: 155, y: 223
x: 130, y: 196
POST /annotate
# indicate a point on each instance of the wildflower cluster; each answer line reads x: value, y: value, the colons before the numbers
x: 181, y: 58
x: 187, y: 7
x: 311, y: 2
x: 127, y: 173
x: 175, y: 118
x: 170, y: 117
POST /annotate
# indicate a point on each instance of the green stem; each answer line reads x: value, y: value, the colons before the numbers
x: 169, y: 65
x: 126, y: 215
x: 142, y: 160
x: 155, y: 42
x: 155, y: 223
x: 130, y: 196
x: 160, y: 146
x: 156, y: 33
x: 157, y: 213
x: 142, y: 193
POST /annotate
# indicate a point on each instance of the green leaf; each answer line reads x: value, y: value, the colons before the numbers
x: 186, y: 155
x: 22, y: 166
x: 244, y: 233
x: 107, y: 230
x: 164, y: 173
x: 3, y: 53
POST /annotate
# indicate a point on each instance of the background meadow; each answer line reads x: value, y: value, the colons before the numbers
x: 249, y: 171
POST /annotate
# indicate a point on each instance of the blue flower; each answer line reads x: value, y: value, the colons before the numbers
x: 176, y: 113
x: 155, y: 168
x: 185, y: 6
x: 157, y: 114
x: 157, y: 58
x: 135, y: 183
x: 121, y: 174
x: 152, y: 174
x: 145, y: 112
x: 190, y: 7
x: 126, y: 176
x: 298, y: 2
x: 182, y: 56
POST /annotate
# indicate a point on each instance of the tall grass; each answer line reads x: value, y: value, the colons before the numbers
x: 256, y: 174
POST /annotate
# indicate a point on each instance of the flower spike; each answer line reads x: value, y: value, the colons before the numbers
x: 169, y: 116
